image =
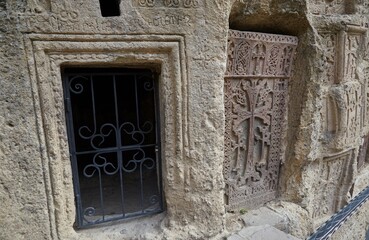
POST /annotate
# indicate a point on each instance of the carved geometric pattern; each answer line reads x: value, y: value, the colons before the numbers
x: 258, y: 68
x: 259, y: 54
x: 333, y: 184
x: 169, y: 3
x: 341, y: 53
x: 353, y: 42
x: 343, y: 114
x: 329, y: 42
x: 345, y: 104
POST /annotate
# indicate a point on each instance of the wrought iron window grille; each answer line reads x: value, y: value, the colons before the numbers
x: 114, y: 139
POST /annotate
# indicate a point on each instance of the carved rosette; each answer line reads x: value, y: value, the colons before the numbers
x: 258, y: 68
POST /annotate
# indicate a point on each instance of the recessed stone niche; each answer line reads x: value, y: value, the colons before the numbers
x: 256, y: 95
x: 48, y: 53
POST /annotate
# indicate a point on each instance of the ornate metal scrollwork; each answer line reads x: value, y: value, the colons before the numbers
x: 114, y: 144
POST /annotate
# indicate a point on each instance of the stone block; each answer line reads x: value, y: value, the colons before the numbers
x: 263, y: 216
x: 264, y: 232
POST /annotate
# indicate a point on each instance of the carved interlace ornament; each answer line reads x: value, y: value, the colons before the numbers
x: 258, y: 68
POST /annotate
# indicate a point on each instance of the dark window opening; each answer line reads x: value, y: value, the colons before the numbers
x: 109, y: 8
x: 113, y: 133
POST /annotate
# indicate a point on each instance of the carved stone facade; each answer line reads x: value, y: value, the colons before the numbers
x: 344, y: 103
x: 255, y: 101
x: 245, y: 118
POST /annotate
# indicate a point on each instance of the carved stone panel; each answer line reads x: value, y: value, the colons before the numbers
x: 258, y: 68
x: 168, y: 3
x: 343, y: 114
x: 330, y: 7
x: 333, y: 184
x: 344, y: 105
x: 352, y: 45
x: 330, y: 43
x: 342, y: 53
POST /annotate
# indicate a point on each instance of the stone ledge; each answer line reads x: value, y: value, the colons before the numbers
x: 261, y: 232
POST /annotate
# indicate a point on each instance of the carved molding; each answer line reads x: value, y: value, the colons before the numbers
x: 344, y: 115
x: 46, y: 54
x: 345, y: 104
x: 332, y: 7
x: 258, y: 68
x: 342, y: 51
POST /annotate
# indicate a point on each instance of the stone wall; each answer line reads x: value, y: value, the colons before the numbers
x: 186, y: 40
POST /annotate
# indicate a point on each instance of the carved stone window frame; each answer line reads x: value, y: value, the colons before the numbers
x: 47, y: 53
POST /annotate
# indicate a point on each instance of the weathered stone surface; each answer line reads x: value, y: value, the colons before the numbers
x: 265, y: 216
x: 260, y: 233
x: 186, y: 41
x: 255, y: 98
x: 355, y: 227
x: 299, y: 222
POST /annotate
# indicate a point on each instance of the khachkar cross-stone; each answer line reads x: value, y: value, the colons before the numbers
x: 258, y: 68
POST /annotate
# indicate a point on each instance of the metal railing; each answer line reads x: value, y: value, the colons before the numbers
x: 335, y: 222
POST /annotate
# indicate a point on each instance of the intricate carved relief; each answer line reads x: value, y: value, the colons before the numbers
x: 170, y: 20
x: 255, y: 105
x: 169, y: 3
x: 146, y: 3
x: 331, y: 6
x: 341, y: 53
x: 343, y: 114
x: 353, y: 42
x: 66, y: 21
x: 333, y: 184
x: 344, y: 105
x: 261, y: 55
x: 329, y: 41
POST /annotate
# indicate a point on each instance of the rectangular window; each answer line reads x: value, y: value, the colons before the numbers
x: 109, y: 8
x: 114, y: 141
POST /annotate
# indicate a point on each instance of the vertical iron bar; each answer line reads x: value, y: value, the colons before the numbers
x: 157, y: 138
x: 80, y: 219
x: 72, y: 147
x: 95, y: 127
x: 138, y: 126
x: 119, y: 143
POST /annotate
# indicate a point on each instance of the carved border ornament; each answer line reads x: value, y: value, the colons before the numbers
x: 258, y: 68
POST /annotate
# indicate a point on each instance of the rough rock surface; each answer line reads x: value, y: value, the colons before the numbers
x: 261, y: 232
x: 325, y: 161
